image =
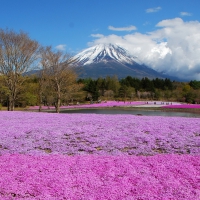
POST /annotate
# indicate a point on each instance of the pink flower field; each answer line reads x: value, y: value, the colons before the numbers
x: 95, y: 105
x: 110, y: 104
x: 60, y: 177
x: 95, y: 156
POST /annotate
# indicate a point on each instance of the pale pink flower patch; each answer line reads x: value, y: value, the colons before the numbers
x: 191, y: 106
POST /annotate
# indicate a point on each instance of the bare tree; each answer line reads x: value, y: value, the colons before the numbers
x: 17, y: 54
x: 41, y: 87
x: 58, y: 71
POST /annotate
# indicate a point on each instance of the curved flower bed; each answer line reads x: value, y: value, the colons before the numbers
x: 94, y: 105
x: 91, y: 156
x: 109, y: 104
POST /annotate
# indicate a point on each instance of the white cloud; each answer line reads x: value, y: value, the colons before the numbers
x: 170, y: 23
x: 97, y: 35
x: 61, y: 47
x: 173, y: 48
x: 128, y: 28
x: 151, y: 10
x: 185, y: 14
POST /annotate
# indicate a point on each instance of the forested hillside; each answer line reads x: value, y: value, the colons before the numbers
x: 109, y: 88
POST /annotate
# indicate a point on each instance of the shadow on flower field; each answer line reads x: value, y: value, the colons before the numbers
x: 92, y: 156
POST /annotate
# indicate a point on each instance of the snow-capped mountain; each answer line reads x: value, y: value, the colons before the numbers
x: 109, y: 60
x: 105, y: 53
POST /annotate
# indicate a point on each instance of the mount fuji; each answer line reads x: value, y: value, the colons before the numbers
x: 109, y: 60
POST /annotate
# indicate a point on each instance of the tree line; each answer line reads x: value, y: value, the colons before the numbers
x: 131, y: 88
x: 56, y: 83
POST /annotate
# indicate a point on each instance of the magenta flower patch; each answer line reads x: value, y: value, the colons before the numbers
x: 91, y: 156
x: 100, y: 177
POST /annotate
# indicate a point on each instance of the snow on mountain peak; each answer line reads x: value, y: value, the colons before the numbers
x: 105, y: 52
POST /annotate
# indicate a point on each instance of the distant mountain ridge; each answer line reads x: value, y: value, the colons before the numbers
x: 108, y: 60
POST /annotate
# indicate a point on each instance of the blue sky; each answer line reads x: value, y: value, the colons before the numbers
x: 153, y: 30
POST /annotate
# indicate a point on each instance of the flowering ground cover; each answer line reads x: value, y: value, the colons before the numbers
x: 190, y: 106
x: 100, y: 177
x: 91, y: 156
x: 73, y: 134
x: 94, y: 105
x: 110, y: 104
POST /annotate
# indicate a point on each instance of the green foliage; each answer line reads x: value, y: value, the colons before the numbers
x: 133, y: 82
x: 189, y: 93
x: 147, y: 85
x: 112, y: 83
x: 30, y: 99
x: 195, y: 84
x: 105, y: 88
x: 158, y: 89
x: 98, y: 87
x: 186, y: 88
x: 157, y: 94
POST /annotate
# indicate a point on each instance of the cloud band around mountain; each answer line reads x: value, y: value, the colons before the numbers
x: 173, y: 48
